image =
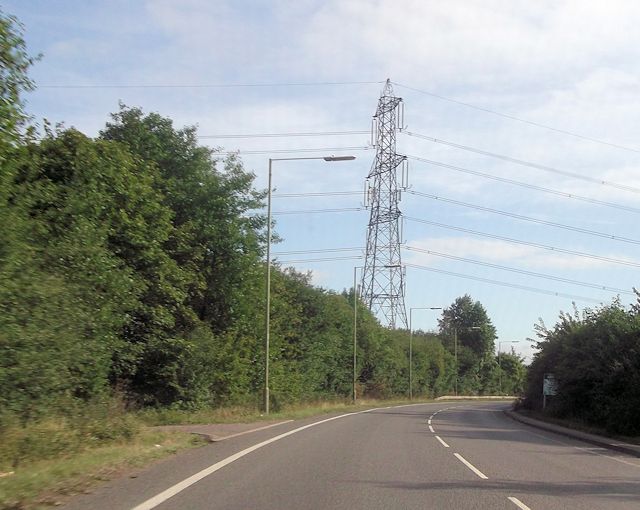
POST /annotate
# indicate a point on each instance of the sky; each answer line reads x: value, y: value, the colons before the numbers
x: 553, y: 84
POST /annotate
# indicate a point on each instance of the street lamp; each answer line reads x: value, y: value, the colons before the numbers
x: 268, y: 304
x: 411, y: 344
x: 499, y: 365
x: 455, y: 350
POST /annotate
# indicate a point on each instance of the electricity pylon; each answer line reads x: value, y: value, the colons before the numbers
x: 383, y: 276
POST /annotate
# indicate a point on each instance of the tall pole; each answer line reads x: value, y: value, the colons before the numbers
x: 455, y: 351
x: 268, y: 305
x: 410, y: 356
x: 355, y: 330
x: 268, y: 278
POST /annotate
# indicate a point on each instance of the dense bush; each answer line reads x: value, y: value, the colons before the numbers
x: 595, y: 358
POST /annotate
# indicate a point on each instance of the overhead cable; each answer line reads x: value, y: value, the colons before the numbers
x: 521, y: 271
x: 205, y: 86
x: 528, y: 164
x: 527, y: 218
x: 328, y: 259
x: 527, y: 243
x: 315, y: 194
x: 287, y: 135
x: 505, y: 284
x: 315, y: 211
x: 286, y: 151
x: 563, y: 194
x: 322, y: 250
x: 519, y: 119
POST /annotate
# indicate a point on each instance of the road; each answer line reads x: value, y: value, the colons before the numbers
x: 426, y: 456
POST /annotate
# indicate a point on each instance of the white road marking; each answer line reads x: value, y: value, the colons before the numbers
x: 518, y: 503
x: 431, y: 429
x: 429, y: 421
x: 443, y: 443
x: 471, y: 466
x: 224, y: 438
x: 187, y: 482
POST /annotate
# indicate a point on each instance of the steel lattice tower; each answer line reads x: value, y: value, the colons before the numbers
x: 383, y: 276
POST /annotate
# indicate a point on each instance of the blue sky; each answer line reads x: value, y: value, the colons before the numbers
x: 570, y: 65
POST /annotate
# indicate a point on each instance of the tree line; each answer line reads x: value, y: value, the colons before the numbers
x: 132, y: 264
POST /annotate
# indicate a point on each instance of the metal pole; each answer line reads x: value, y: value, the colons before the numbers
x: 355, y: 330
x: 455, y: 350
x: 268, y: 303
x: 268, y: 310
x: 410, y: 356
x: 499, y: 370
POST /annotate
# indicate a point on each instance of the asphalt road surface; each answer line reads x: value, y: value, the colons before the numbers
x: 426, y: 456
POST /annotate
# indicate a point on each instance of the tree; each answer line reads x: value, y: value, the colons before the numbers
x: 469, y: 322
x: 14, y: 81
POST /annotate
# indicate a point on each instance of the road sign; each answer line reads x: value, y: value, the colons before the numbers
x: 549, y: 385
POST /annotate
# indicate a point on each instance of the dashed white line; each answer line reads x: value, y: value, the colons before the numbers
x: 471, y: 466
x: 429, y: 421
x: 518, y: 503
x: 443, y: 443
x: 431, y: 429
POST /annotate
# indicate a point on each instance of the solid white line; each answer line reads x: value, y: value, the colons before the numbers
x: 184, y: 484
x: 431, y: 429
x: 518, y: 503
x: 471, y: 466
x: 443, y: 443
x: 223, y: 438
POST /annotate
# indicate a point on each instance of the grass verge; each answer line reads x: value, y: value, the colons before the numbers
x: 41, y: 484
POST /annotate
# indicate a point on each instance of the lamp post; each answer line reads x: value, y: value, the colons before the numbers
x: 499, y: 365
x: 355, y: 327
x: 455, y: 350
x: 268, y: 299
x: 411, y: 344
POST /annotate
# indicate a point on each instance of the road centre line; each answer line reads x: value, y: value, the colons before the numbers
x: 443, y: 443
x: 160, y: 498
x: 471, y: 466
x: 518, y: 503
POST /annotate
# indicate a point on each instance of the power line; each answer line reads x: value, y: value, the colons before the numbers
x: 315, y: 211
x: 527, y: 218
x: 527, y: 243
x: 519, y: 119
x: 206, y: 86
x: 327, y: 259
x: 323, y: 250
x: 287, y: 135
x: 318, y: 194
x: 523, y: 162
x: 521, y: 271
x: 505, y: 284
x: 527, y: 185
x: 287, y: 151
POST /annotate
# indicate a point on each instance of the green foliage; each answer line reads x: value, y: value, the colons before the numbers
x: 467, y: 329
x: 595, y: 357
x: 14, y: 81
